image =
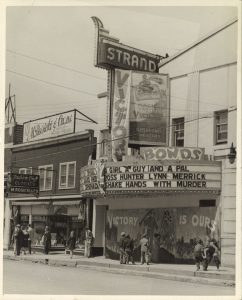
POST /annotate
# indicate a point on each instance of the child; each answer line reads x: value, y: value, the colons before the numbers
x: 198, y: 251
x: 71, y: 243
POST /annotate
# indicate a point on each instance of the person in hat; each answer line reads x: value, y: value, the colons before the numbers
x: 47, y: 240
x: 145, y: 251
x: 89, y: 240
x: 129, y: 249
x: 198, y: 253
x: 122, y: 256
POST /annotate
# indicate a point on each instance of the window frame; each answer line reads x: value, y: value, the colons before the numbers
x: 25, y: 171
x: 51, y: 185
x: 216, y: 126
x: 67, y: 164
x: 178, y: 122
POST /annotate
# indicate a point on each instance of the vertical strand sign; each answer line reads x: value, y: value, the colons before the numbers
x: 149, y: 109
x: 120, y: 118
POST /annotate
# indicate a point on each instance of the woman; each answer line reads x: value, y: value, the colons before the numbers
x: 71, y: 243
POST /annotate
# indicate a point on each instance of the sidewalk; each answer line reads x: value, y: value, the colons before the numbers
x: 178, y: 272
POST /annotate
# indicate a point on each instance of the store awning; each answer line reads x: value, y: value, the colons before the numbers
x: 73, y: 202
x: 30, y: 203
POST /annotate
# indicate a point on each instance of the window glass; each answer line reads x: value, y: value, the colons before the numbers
x: 221, y: 119
x: 71, y: 175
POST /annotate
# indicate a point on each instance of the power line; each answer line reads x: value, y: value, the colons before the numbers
x: 51, y: 83
x: 55, y: 65
x: 111, y: 140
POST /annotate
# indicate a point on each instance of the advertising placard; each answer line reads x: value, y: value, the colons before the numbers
x: 172, y: 232
x: 149, y: 109
x: 48, y: 127
x: 120, y: 117
x: 23, y: 183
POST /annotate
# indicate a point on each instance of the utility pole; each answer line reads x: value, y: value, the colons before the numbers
x: 10, y: 108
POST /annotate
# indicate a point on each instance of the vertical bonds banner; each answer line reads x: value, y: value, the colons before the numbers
x: 120, y: 118
x: 149, y: 109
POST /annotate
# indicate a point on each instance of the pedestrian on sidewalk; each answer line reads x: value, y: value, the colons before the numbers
x: 71, y: 243
x: 17, y: 239
x: 25, y: 239
x: 31, y: 237
x: 145, y: 251
x: 47, y: 240
x: 88, y: 243
x: 211, y: 251
x: 129, y: 248
x: 122, y: 256
x: 198, y: 253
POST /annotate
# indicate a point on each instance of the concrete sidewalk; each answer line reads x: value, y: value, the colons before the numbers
x: 180, y: 272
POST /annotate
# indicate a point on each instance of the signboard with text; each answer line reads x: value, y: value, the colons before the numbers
x: 49, y: 127
x: 174, y: 153
x: 117, y: 55
x: 149, y: 109
x: 24, y: 184
x: 158, y: 176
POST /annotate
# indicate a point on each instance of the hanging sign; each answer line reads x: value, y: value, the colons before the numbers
x: 23, y: 183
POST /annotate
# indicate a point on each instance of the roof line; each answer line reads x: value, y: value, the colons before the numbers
x: 199, y: 41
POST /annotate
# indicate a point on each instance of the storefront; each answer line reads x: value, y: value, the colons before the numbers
x: 174, y: 202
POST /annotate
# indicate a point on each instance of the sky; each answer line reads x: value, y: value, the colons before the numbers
x: 64, y: 36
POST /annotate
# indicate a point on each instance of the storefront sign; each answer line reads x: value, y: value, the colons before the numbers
x: 91, y: 180
x: 159, y: 176
x: 116, y: 55
x: 172, y: 232
x: 164, y: 177
x: 149, y: 109
x: 23, y: 183
x: 120, y: 119
x: 172, y: 153
x: 49, y: 127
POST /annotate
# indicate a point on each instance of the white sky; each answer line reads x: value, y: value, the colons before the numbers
x: 65, y: 36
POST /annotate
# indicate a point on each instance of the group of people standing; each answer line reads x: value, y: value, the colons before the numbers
x: 22, y: 239
x: 126, y: 246
x: 204, y: 254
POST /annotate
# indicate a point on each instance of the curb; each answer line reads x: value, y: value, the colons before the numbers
x: 167, y: 274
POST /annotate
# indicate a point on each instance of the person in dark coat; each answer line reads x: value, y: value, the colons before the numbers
x: 198, y: 253
x: 18, y: 239
x: 25, y: 237
x: 71, y: 243
x: 211, y: 251
x: 145, y: 251
x: 122, y: 248
x: 47, y: 240
x: 129, y: 248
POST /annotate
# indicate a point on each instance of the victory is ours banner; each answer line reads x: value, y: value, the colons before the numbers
x: 140, y: 113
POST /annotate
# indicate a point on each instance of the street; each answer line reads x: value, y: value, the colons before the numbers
x: 21, y: 277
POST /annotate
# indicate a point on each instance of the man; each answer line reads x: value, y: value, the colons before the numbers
x: 129, y: 248
x: 31, y: 237
x: 18, y: 239
x: 47, y: 240
x: 211, y: 251
x: 198, y: 253
x: 122, y: 248
x: 144, y: 243
x: 88, y: 242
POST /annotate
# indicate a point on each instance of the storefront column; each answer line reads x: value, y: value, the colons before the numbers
x: 7, y: 227
x: 30, y: 216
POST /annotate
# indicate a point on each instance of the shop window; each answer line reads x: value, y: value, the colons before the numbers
x: 207, y: 203
x: 45, y: 177
x: 25, y: 171
x: 178, y: 132
x: 67, y: 175
x: 221, y: 127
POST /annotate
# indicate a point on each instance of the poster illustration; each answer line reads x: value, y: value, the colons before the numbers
x: 172, y: 232
x: 149, y: 109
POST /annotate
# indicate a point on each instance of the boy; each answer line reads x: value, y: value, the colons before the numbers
x: 198, y: 251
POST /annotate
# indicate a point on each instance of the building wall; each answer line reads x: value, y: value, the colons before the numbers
x: 203, y: 81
